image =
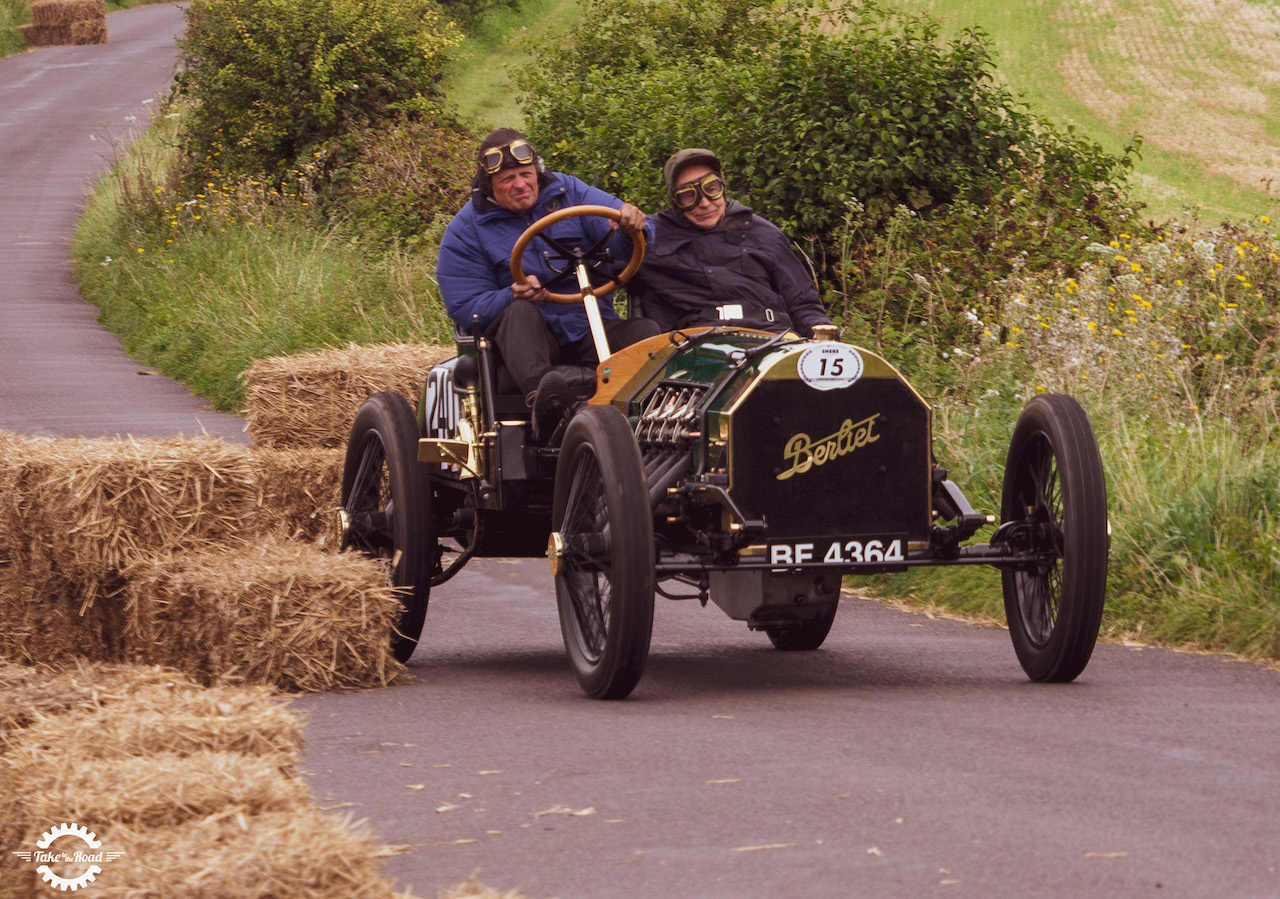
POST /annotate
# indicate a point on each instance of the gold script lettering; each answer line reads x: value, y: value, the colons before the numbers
x: 804, y: 453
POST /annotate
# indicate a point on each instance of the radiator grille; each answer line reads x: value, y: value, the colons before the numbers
x: 853, y: 462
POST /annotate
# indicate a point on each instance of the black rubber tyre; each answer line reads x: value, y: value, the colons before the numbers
x: 606, y: 585
x: 387, y: 499
x: 1054, y: 480
x: 803, y: 635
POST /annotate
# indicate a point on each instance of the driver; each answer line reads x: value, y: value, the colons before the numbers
x: 511, y: 190
x: 715, y: 262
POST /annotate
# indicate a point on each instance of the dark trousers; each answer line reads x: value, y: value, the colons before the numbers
x: 529, y: 349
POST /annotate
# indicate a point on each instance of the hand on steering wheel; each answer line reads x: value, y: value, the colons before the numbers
x: 593, y: 257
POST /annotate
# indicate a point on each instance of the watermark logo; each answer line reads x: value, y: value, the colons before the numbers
x: 69, y: 856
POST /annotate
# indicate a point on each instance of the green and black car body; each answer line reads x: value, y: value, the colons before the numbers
x: 727, y: 465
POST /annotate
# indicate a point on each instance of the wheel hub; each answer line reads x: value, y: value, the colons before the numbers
x: 342, y: 527
x: 555, y: 553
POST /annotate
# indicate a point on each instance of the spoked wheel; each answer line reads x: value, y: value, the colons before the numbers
x: 1054, y: 484
x: 602, y: 553
x: 802, y: 636
x: 386, y: 507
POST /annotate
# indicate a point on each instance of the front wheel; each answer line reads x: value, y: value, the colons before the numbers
x: 1055, y: 486
x: 386, y: 507
x: 602, y: 553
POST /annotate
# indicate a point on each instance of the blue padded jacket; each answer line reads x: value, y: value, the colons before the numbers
x: 474, y: 266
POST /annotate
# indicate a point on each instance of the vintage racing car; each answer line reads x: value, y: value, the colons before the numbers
x: 726, y: 464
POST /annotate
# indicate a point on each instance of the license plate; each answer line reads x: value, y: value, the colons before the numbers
x: 836, y: 552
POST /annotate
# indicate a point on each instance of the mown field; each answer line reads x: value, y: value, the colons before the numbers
x: 1198, y: 79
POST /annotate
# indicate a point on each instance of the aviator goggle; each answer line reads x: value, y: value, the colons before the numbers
x: 688, y: 196
x: 518, y: 151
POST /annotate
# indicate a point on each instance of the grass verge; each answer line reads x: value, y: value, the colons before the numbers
x: 479, y: 80
x: 204, y: 288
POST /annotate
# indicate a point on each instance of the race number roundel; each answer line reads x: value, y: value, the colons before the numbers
x: 829, y: 365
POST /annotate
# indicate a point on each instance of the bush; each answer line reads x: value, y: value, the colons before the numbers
x: 273, y: 80
x: 405, y: 175
x: 839, y: 117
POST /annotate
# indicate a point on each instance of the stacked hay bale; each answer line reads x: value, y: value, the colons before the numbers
x: 310, y: 400
x: 181, y: 552
x: 66, y: 22
x: 191, y: 791
x: 278, y: 612
x: 202, y: 555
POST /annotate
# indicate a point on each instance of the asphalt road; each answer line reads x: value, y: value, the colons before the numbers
x: 64, y: 113
x: 907, y: 757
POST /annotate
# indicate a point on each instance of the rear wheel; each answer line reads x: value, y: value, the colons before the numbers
x: 386, y: 502
x: 602, y: 553
x: 1054, y: 483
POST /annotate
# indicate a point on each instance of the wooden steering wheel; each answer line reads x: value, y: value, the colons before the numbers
x: 574, y: 259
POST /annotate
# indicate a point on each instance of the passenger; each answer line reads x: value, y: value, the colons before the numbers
x: 715, y: 262
x: 511, y: 190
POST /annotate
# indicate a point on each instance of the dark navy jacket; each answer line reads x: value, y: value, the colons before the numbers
x: 474, y: 270
x: 741, y: 272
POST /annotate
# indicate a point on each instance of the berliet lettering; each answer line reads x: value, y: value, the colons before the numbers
x: 804, y: 454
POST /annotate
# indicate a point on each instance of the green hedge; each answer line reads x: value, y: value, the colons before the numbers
x: 272, y: 81
x: 831, y: 122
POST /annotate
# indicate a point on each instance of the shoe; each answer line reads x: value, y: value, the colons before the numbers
x: 551, y: 403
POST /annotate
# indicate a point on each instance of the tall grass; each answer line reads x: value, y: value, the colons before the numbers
x: 12, y: 14
x: 201, y: 289
x: 1195, y: 515
x: 1173, y: 346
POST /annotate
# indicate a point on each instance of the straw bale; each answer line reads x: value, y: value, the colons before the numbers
x: 301, y: 852
x: 44, y: 617
x: 39, y: 693
x: 281, y: 612
x: 184, y: 553
x: 174, y: 718
x: 96, y: 506
x: 45, y: 35
x: 199, y: 788
x: 298, y: 491
x: 30, y: 693
x: 311, y: 399
x: 64, y: 12
x: 158, y: 790
x: 89, y: 31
